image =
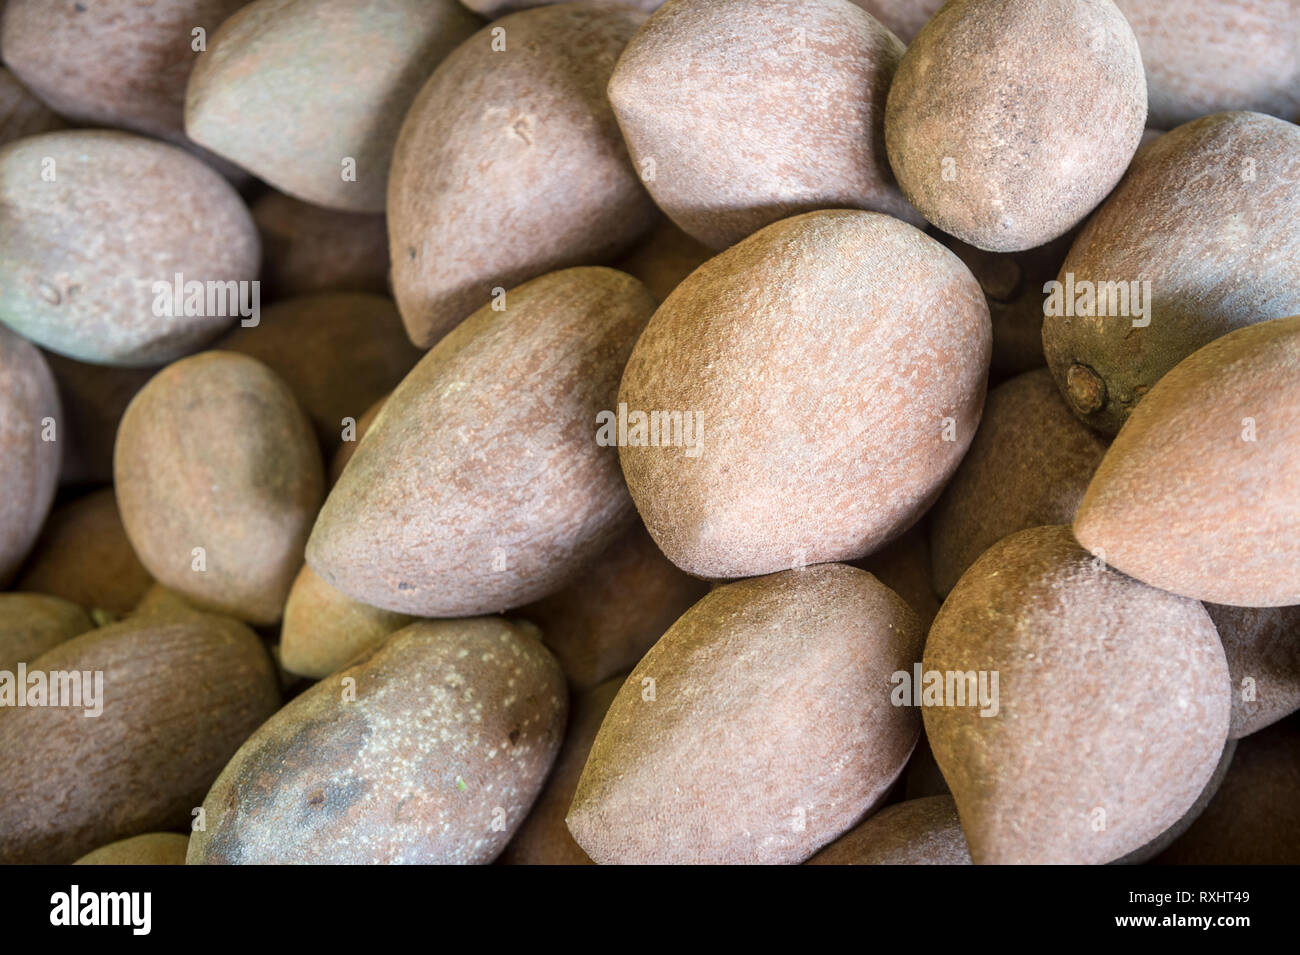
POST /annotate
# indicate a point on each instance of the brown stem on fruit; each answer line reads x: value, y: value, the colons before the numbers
x: 1085, y: 389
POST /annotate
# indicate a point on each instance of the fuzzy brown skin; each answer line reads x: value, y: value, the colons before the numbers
x: 606, y: 620
x: 29, y: 464
x: 1029, y: 465
x: 1013, y: 285
x: 1206, y: 56
x: 83, y: 555
x: 1113, y: 699
x: 510, y: 165
x: 796, y: 469
x: 447, y: 742
x: 79, y: 256
x: 180, y: 693
x: 31, y: 623
x: 116, y: 63
x: 449, y: 507
x: 1035, y: 106
x: 339, y: 352
x: 324, y: 629
x: 1263, y: 647
x: 291, y: 89
x: 21, y: 113
x: 771, y: 731
x: 308, y: 249
x: 786, y: 116
x: 1184, y: 500
x: 1254, y: 818
x: 544, y: 838
x: 1219, y: 249
x: 1163, y: 841
x: 152, y: 848
x: 94, y: 398
x: 904, y: 567
x: 215, y: 453
x: 916, y: 832
x: 347, y: 448
x: 664, y: 259
x: 904, y: 18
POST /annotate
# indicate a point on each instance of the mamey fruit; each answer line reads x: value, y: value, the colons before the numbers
x: 664, y: 259
x: 771, y: 466
x: 510, y: 165
x: 218, y: 479
x: 798, y: 666
x: 451, y: 508
x: 177, y: 695
x: 1200, y: 492
x: 1109, y: 715
x: 992, y: 163
x: 324, y: 629
x: 93, y: 399
x: 90, y: 261
x: 916, y: 832
x: 433, y: 756
x: 1201, y: 237
x: 310, y: 95
x: 805, y: 78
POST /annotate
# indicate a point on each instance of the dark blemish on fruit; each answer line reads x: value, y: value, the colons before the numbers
x: 514, y: 736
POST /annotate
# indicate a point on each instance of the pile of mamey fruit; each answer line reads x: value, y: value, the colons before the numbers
x: 735, y: 431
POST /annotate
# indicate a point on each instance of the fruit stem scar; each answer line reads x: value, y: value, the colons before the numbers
x: 1085, y: 389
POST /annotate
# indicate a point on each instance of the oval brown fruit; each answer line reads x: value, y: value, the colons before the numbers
x: 32, y: 623
x: 915, y: 832
x: 177, y: 695
x: 805, y: 78
x: 1029, y: 465
x: 430, y: 750
x: 1161, y: 842
x: 1202, y: 237
x: 89, y: 261
x: 83, y: 555
x: 152, y: 848
x: 759, y: 728
x: 29, y: 448
x: 1206, y: 56
x: 339, y: 352
x: 510, y: 165
x: 218, y: 480
x: 450, y: 507
x: 1200, y: 492
x: 1108, y: 715
x: 310, y: 96
x: 1007, y: 123
x: 1263, y: 649
x: 308, y: 249
x: 754, y: 462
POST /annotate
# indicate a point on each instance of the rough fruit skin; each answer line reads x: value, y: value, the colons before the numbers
x: 309, y: 249
x: 758, y: 728
x: 214, y: 452
x: 450, y: 507
x: 1199, y: 492
x: 180, y: 693
x: 454, y: 726
x: 664, y: 259
x: 111, y: 63
x: 1029, y: 465
x: 1113, y: 704
x: 544, y: 838
x: 510, y: 165
x: 831, y: 416
x: 347, y: 448
x: 1008, y: 121
x: 903, y: 566
x: 1209, y: 215
x: 785, y: 116
x: 32, y: 623
x: 79, y: 256
x: 292, y: 89
x: 152, y: 848
x: 1167, y: 838
x: 1206, y: 56
x: 915, y: 832
x: 29, y: 464
x: 339, y: 352
x: 1263, y: 649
